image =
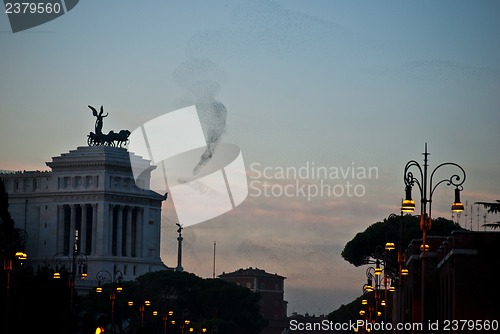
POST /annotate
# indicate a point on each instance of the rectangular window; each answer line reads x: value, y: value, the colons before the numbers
x: 78, y: 181
x: 66, y: 182
x: 89, y: 180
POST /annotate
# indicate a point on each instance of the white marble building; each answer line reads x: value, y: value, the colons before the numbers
x: 89, y: 193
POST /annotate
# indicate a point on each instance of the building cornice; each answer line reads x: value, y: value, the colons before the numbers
x: 457, y: 251
x: 94, y: 196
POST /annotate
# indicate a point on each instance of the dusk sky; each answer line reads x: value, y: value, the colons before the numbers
x: 340, y: 85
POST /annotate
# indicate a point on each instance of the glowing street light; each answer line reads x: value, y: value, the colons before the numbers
x: 104, y: 276
x: 426, y: 186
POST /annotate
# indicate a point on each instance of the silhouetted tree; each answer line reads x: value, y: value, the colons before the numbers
x: 492, y: 207
x: 7, y: 230
x: 346, y: 312
x: 365, y: 246
x: 362, y: 249
x: 205, y: 302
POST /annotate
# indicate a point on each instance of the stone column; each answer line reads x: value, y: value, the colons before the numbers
x: 60, y: 229
x: 94, y: 228
x: 119, y: 231
x: 72, y: 228
x: 102, y: 231
x: 133, y: 232
x: 139, y: 232
x: 83, y: 231
x: 129, y: 232
x: 110, y: 229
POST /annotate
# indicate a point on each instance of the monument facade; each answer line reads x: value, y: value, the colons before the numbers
x: 88, y: 209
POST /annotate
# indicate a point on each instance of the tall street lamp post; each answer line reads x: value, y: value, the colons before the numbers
x: 77, y: 268
x: 165, y: 318
x: 105, y: 277
x: 427, y: 185
x: 378, y: 282
x: 142, y: 311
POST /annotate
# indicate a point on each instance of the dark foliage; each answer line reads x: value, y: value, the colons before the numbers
x: 205, y: 302
x: 9, y: 235
x: 38, y: 301
x: 367, y: 246
x: 362, y: 249
x: 492, y: 207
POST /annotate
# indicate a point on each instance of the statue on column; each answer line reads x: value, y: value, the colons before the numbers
x: 179, y: 248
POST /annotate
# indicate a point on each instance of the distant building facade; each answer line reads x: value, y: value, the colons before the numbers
x: 460, y: 279
x: 273, y: 307
x: 90, y: 205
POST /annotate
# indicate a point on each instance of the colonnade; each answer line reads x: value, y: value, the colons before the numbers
x: 120, y: 234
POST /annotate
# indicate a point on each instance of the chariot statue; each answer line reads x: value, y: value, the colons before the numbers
x: 115, y: 139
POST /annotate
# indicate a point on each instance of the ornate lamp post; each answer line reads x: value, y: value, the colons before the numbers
x: 427, y: 185
x: 77, y: 268
x: 375, y: 282
x: 104, y: 277
x: 79, y: 261
x: 364, y: 305
x: 142, y: 308
x: 165, y: 318
x: 381, y: 275
x: 60, y: 263
x: 185, y: 320
x: 146, y: 303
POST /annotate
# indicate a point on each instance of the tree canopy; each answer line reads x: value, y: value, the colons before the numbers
x: 363, y: 248
x: 12, y: 239
x: 8, y: 235
x: 205, y: 302
x: 492, y: 207
x: 369, y: 245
